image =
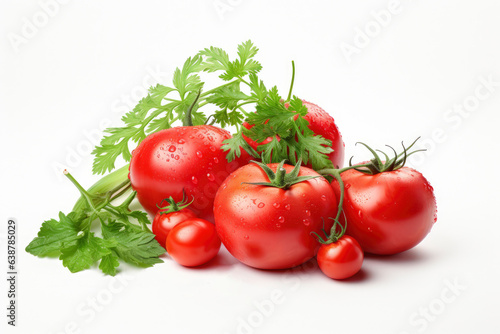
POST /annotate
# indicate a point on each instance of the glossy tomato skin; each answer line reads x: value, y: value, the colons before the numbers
x: 341, y: 259
x: 270, y: 228
x: 193, y: 242
x: 321, y: 123
x: 389, y: 212
x: 164, y: 222
x: 188, y: 158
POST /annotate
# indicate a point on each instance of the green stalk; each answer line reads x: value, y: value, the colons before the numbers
x: 112, y: 183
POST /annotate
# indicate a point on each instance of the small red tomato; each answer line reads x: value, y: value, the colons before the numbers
x: 163, y: 223
x: 341, y: 259
x: 193, y: 242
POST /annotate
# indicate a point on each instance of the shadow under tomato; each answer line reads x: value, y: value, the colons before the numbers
x: 220, y: 262
x: 409, y: 256
x: 361, y: 276
x: 309, y: 266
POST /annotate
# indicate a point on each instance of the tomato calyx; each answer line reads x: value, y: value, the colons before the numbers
x: 281, y: 179
x: 337, y: 231
x: 172, y: 205
x: 376, y: 165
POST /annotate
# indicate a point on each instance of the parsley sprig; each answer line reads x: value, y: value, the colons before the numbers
x: 73, y: 239
x: 165, y: 105
x: 284, y: 122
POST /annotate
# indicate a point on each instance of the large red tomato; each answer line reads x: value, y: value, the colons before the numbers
x: 185, y: 158
x: 388, y: 212
x: 321, y: 123
x: 268, y: 227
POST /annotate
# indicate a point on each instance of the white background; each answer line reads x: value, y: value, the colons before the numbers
x: 87, y: 63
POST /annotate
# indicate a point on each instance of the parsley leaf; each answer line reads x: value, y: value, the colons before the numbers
x: 85, y: 252
x: 285, y: 124
x: 136, y: 247
x: 109, y: 263
x: 218, y: 60
x: 55, y: 235
x: 233, y: 147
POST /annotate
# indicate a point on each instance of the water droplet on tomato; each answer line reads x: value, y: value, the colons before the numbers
x: 172, y: 148
x: 158, y: 156
x: 347, y: 185
x: 261, y: 205
x: 210, y: 177
x: 216, y: 160
x: 176, y: 157
x: 194, y: 180
x: 213, y: 149
x: 323, y: 198
x: 308, y: 213
x: 199, y: 154
x: 360, y: 214
x: 281, y: 219
x: 276, y: 205
x: 287, y: 206
x: 181, y: 141
x: 278, y: 225
x: 306, y: 222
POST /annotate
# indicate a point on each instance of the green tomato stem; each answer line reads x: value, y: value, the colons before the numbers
x: 335, y: 173
x: 291, y: 84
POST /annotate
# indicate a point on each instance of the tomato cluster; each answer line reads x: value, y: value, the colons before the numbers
x: 277, y: 216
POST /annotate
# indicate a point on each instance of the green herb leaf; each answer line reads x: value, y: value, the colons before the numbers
x: 55, y: 235
x: 136, y: 247
x: 292, y: 138
x: 218, y: 60
x: 85, y: 252
x: 109, y: 263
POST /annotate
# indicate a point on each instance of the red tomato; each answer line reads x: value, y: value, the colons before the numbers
x: 164, y: 222
x: 193, y: 242
x: 270, y: 228
x: 341, y: 259
x: 321, y: 123
x: 188, y: 158
x: 389, y: 212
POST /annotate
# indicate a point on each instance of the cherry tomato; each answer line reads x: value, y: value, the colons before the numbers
x: 183, y: 158
x: 270, y: 228
x: 341, y: 259
x: 164, y: 222
x: 193, y: 242
x: 388, y: 212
